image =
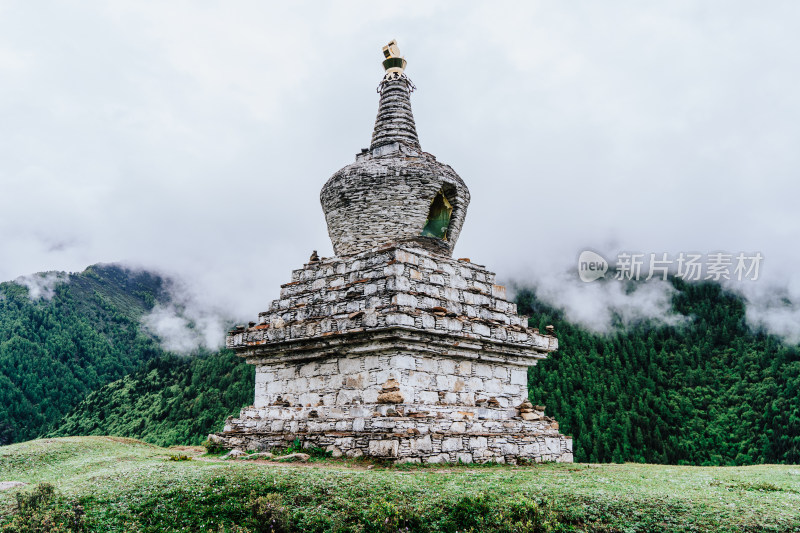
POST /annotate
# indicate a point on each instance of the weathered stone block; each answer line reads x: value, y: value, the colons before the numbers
x: 451, y: 444
x: 447, y: 366
x: 445, y: 383
x: 348, y: 396
x: 421, y: 445
x: 420, y: 380
x: 553, y: 445
x: 403, y: 361
x: 383, y: 448
x: 450, y: 398
x: 458, y: 427
x: 477, y: 443
x: 428, y: 397
x: 427, y: 364
x: 404, y: 299
x: 350, y: 365
x: 465, y: 458
x: 399, y: 319
x: 480, y: 329
x: 371, y: 362
x: 483, y: 370
x: 308, y: 369
x: 519, y: 377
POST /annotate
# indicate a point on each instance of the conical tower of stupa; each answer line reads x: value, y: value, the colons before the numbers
x: 392, y: 348
x: 395, y: 192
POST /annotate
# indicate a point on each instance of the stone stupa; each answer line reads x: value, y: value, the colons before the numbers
x: 393, y: 349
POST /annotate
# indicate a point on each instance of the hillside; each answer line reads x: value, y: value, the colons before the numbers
x: 709, y: 391
x: 173, y: 400
x: 54, y: 351
x: 74, y: 343
x: 111, y: 484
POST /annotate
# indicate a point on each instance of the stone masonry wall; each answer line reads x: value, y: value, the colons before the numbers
x: 386, y: 199
x: 396, y: 286
x: 397, y: 353
x: 395, y: 120
x: 420, y: 379
x: 403, y: 434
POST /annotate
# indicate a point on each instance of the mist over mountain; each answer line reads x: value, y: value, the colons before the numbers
x: 660, y: 127
x: 687, y: 379
x: 697, y: 385
x: 63, y: 336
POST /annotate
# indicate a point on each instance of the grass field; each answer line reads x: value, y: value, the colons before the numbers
x: 116, y: 484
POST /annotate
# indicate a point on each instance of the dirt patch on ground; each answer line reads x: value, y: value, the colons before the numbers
x: 325, y: 464
x: 194, y: 451
x: 126, y: 440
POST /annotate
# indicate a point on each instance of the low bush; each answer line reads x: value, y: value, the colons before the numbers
x: 43, y: 510
x: 212, y: 448
x: 180, y: 457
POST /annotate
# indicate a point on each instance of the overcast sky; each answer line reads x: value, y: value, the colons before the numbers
x: 193, y: 137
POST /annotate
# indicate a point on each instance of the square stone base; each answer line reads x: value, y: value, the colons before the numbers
x: 403, y: 433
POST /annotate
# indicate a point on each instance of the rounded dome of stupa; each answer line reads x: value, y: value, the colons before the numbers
x: 394, y: 192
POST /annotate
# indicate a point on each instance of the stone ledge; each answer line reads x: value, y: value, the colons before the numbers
x: 421, y: 448
x: 393, y: 338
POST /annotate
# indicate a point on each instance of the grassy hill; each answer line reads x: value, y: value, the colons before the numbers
x: 173, y: 400
x: 126, y: 485
x: 54, y: 351
x: 78, y: 361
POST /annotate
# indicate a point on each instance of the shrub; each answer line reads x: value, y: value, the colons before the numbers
x: 44, y: 511
x: 525, y: 515
x: 470, y: 512
x: 233, y: 528
x: 211, y: 447
x: 180, y: 457
x: 384, y: 516
x: 268, y: 513
x: 519, y: 514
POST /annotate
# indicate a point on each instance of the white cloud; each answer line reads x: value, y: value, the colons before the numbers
x: 188, y: 322
x: 42, y: 286
x: 602, y: 305
x: 194, y: 138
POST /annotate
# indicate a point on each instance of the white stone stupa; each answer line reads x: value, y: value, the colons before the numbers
x: 392, y: 348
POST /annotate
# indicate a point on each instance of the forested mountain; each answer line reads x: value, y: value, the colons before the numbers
x: 709, y: 391
x: 174, y: 400
x: 63, y: 336
x: 54, y: 350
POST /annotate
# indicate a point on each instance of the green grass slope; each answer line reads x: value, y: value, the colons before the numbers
x: 173, y: 400
x: 54, y: 351
x: 125, y: 485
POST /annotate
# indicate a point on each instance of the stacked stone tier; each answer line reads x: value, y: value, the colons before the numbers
x: 397, y: 353
x: 395, y: 120
x: 396, y: 287
x: 361, y: 378
x: 403, y: 433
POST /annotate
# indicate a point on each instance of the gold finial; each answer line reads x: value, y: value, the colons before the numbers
x: 393, y: 62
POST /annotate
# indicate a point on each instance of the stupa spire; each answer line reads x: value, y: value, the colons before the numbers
x: 395, y: 121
